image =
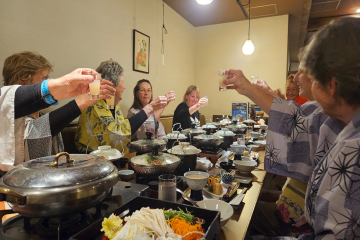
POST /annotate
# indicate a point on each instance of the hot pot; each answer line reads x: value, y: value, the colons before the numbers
x: 50, y: 186
x: 208, y: 140
x: 146, y: 145
x: 187, y: 154
x: 141, y: 165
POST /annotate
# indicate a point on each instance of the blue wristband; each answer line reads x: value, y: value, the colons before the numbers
x: 46, y: 93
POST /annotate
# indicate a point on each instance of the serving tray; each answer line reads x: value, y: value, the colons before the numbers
x: 209, y: 195
x: 211, y: 224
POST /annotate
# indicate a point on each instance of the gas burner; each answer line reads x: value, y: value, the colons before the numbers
x: 59, y: 228
x: 66, y: 225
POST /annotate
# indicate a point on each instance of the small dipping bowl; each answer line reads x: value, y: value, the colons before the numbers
x: 227, y: 165
x: 126, y: 175
x: 196, y: 184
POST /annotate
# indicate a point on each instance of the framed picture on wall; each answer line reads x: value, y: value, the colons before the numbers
x: 240, y: 110
x: 141, y: 52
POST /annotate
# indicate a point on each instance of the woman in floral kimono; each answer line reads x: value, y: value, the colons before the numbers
x: 323, y: 147
x: 142, y: 97
x: 101, y: 126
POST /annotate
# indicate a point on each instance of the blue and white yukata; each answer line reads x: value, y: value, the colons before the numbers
x: 305, y: 144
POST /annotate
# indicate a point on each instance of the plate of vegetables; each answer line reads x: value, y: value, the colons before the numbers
x: 150, y: 224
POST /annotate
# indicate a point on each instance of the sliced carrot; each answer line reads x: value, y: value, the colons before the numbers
x: 181, y: 227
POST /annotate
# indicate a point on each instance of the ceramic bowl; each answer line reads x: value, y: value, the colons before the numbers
x: 196, y: 183
x: 226, y: 165
x: 255, y: 135
x: 126, y: 175
x: 246, y: 158
x: 238, y: 149
x: 245, y: 166
x: 225, y: 209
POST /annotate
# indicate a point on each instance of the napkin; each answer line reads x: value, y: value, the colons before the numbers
x: 203, y: 164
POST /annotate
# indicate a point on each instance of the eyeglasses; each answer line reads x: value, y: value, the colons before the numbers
x: 145, y: 90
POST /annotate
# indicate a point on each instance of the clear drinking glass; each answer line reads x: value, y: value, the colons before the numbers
x: 222, y: 77
x: 167, y: 187
x: 95, y: 89
x: 254, y: 79
x: 110, y: 102
x: 207, y: 100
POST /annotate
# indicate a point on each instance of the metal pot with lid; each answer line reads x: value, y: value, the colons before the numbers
x: 237, y: 127
x: 146, y: 145
x: 154, y: 163
x: 208, y: 140
x: 193, y: 131
x: 50, y: 186
x: 188, y: 155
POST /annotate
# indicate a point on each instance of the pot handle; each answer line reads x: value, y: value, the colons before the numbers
x: 56, y: 158
x: 11, y: 196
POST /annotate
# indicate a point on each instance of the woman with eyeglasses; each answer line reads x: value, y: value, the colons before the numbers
x: 142, y: 97
x: 97, y: 124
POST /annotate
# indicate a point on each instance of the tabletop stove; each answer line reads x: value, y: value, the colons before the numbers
x: 63, y: 227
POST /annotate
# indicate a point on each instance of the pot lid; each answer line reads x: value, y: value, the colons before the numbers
x: 149, y: 159
x: 175, y: 135
x: 39, y: 173
x: 108, y: 152
x: 249, y: 121
x: 240, y: 126
x: 193, y: 130
x: 184, y: 148
x: 226, y: 121
x: 208, y: 126
x: 208, y: 137
x: 225, y: 133
x: 147, y: 143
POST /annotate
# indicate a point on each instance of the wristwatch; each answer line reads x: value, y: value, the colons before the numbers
x: 46, y: 93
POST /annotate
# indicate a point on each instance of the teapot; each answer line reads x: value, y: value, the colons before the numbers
x: 226, y: 177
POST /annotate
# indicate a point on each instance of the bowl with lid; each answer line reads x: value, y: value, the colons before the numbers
x: 228, y: 137
x: 188, y: 155
x: 173, y: 138
x: 58, y: 185
x: 107, y: 152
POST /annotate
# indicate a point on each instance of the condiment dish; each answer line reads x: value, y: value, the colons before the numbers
x: 126, y: 175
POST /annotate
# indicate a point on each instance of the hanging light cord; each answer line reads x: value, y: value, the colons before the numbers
x: 163, y: 30
x: 249, y: 20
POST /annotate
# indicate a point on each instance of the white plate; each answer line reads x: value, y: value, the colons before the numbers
x: 261, y: 142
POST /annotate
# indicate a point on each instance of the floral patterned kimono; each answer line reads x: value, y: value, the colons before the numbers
x: 326, y: 153
x: 98, y: 127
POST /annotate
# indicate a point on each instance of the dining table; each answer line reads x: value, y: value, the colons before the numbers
x: 238, y: 225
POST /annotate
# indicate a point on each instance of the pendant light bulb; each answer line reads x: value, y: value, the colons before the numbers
x: 248, y: 47
x: 204, y: 2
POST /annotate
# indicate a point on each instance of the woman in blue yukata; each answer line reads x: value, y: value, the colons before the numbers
x: 319, y: 142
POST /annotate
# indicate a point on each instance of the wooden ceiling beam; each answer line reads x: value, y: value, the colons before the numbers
x: 316, y: 23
